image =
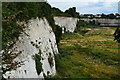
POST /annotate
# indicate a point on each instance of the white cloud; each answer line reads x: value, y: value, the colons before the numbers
x: 110, y: 0
x: 110, y: 6
x: 65, y: 5
x: 83, y: 0
x: 89, y: 10
x: 87, y: 6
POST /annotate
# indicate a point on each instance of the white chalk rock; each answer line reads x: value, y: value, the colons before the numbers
x: 37, y: 37
x: 69, y: 23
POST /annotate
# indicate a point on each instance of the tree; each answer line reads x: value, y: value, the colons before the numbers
x: 103, y: 16
x: 56, y: 11
x: 72, y: 12
x: 112, y: 16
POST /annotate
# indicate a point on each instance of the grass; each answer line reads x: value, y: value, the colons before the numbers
x: 92, y: 55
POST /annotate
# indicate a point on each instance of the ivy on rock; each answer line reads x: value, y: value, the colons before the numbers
x: 13, y: 12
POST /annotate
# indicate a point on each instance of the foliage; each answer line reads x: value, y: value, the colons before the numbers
x: 8, y: 58
x: 58, y: 12
x: 13, y: 12
x: 58, y: 33
x: 38, y: 63
x: 50, y: 60
x: 117, y: 34
x: 72, y: 12
x: 103, y: 16
x: 111, y: 16
x: 81, y: 23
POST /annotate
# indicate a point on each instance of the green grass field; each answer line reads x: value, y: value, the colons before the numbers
x: 93, y: 54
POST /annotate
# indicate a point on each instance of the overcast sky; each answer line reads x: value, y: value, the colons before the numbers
x: 87, y: 6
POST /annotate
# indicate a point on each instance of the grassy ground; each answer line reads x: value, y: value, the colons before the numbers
x: 93, y: 54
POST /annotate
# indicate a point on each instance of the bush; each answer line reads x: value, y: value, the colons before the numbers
x: 72, y: 12
x: 50, y: 60
x: 58, y: 33
x: 79, y: 24
x: 117, y: 34
x: 38, y: 63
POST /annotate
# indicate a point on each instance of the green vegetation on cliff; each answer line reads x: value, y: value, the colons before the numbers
x: 19, y: 11
x: 71, y: 12
x: 14, y: 12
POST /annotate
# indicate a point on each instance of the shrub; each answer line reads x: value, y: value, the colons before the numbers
x: 72, y: 12
x: 58, y: 33
x: 50, y: 60
x: 117, y: 34
x: 38, y: 63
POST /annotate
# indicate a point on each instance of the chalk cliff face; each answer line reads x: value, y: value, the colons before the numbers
x: 104, y: 22
x: 37, y: 47
x: 67, y: 23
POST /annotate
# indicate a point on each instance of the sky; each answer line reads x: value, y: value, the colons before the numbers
x: 87, y: 6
